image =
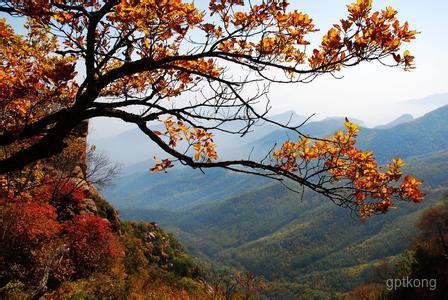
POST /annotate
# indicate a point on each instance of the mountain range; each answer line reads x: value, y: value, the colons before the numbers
x: 141, y: 189
x: 308, y: 246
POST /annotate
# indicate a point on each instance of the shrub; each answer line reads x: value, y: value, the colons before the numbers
x: 93, y: 246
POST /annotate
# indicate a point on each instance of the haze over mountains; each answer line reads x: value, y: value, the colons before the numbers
x: 105, y: 128
x: 400, y: 120
x: 140, y: 189
x: 132, y: 147
x: 428, y: 103
x: 255, y: 224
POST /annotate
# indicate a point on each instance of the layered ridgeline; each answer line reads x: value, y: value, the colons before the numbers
x: 400, y: 120
x: 308, y: 246
x: 140, y: 189
x: 142, y: 148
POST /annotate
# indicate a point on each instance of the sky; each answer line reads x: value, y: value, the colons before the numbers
x: 369, y: 92
x: 372, y: 92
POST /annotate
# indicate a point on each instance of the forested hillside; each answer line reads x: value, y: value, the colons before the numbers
x: 420, y: 136
x: 271, y: 232
x: 286, y: 238
x: 143, y: 190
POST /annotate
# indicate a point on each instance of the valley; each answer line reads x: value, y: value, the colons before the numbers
x: 297, y: 243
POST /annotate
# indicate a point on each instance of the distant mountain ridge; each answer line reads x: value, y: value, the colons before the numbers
x: 132, y: 147
x: 421, y: 136
x: 434, y: 101
x: 406, y: 118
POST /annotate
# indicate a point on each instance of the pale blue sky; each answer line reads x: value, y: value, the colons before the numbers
x: 370, y: 92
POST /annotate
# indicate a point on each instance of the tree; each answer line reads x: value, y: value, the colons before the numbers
x: 140, y: 58
x: 100, y: 170
x: 424, y: 264
x: 434, y: 229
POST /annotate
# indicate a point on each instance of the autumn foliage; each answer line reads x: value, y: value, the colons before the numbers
x: 93, y: 246
x: 30, y: 222
x: 79, y: 60
x: 29, y: 233
x: 38, y: 243
x: 345, y: 163
x: 134, y: 54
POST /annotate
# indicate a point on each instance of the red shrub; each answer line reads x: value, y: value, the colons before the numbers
x: 93, y: 246
x: 30, y: 222
x: 73, y: 191
x: 30, y: 233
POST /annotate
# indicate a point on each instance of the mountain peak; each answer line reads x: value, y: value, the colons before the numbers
x: 288, y: 116
x: 341, y: 120
x: 432, y: 100
x: 400, y: 120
